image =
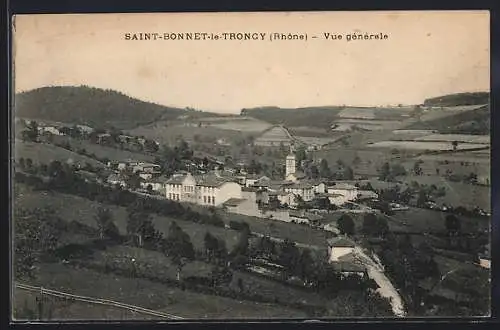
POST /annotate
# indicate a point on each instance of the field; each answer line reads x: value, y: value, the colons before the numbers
x: 152, y: 295
x: 457, y: 193
x: 45, y: 153
x: 464, y: 138
x: 442, y: 112
x: 420, y: 145
x: 166, y: 132
x: 158, y: 264
x: 101, y: 151
x: 243, y: 124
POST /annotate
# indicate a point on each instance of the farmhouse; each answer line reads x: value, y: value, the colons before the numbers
x: 252, y: 179
x: 116, y: 179
x: 85, y: 129
x: 346, y: 192
x: 338, y: 247
x: 146, y: 168
x: 349, y: 265
x: 157, y: 184
x: 49, y: 130
x: 303, y: 189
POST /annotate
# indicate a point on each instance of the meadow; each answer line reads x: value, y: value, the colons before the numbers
x: 44, y: 153
x: 152, y: 295
x: 101, y: 151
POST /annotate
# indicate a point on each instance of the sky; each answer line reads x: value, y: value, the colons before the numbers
x: 426, y: 54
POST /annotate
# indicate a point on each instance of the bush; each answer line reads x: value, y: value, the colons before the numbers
x: 240, y: 226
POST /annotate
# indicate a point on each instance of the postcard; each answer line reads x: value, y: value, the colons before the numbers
x: 251, y: 166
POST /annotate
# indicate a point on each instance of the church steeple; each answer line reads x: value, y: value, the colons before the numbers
x: 290, y: 163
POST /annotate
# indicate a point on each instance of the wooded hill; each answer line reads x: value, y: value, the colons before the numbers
x: 90, y: 106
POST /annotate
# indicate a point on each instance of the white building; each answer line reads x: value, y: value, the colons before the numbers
x: 115, y: 179
x: 342, y: 192
x: 304, y: 190
x: 252, y: 179
x: 49, y: 130
x: 208, y: 190
x: 182, y: 188
x: 146, y: 167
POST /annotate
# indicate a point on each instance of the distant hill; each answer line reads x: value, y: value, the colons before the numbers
x: 311, y: 116
x: 458, y: 99
x: 90, y: 106
x: 475, y: 122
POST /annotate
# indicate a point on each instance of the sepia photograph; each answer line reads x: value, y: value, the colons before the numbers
x: 250, y: 166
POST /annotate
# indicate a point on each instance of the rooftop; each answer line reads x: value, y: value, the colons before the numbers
x: 343, y: 186
x: 340, y: 242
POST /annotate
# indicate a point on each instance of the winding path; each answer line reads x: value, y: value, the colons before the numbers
x: 386, y: 289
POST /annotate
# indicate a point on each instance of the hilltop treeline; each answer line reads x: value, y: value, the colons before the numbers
x: 90, y: 106
x: 313, y: 116
x: 459, y: 99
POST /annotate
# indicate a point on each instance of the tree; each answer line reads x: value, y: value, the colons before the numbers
x: 55, y: 169
x: 348, y: 173
x: 356, y: 161
x: 346, y: 225
x: 215, y: 248
x: 385, y: 172
x: 289, y: 256
x: 31, y: 133
x: 422, y: 199
x: 179, y: 247
x: 151, y: 146
x: 452, y: 224
x: 374, y: 226
x: 133, y: 181
x: 417, y: 169
x: 454, y: 145
x: 241, y: 250
x: 305, y: 266
x: 36, y: 231
x: 324, y: 169
x: 29, y: 164
x: 22, y: 163
x: 397, y: 170
x: 105, y: 224
x: 300, y: 154
x: 140, y: 225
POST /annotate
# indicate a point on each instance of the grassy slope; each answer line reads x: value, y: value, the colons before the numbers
x: 152, y: 295
x: 45, y: 153
x: 84, y: 211
x: 101, y: 151
x: 475, y: 121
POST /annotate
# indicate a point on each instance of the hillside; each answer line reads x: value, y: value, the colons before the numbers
x: 90, y: 106
x: 312, y: 116
x: 475, y: 121
x: 42, y: 153
x: 458, y: 99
